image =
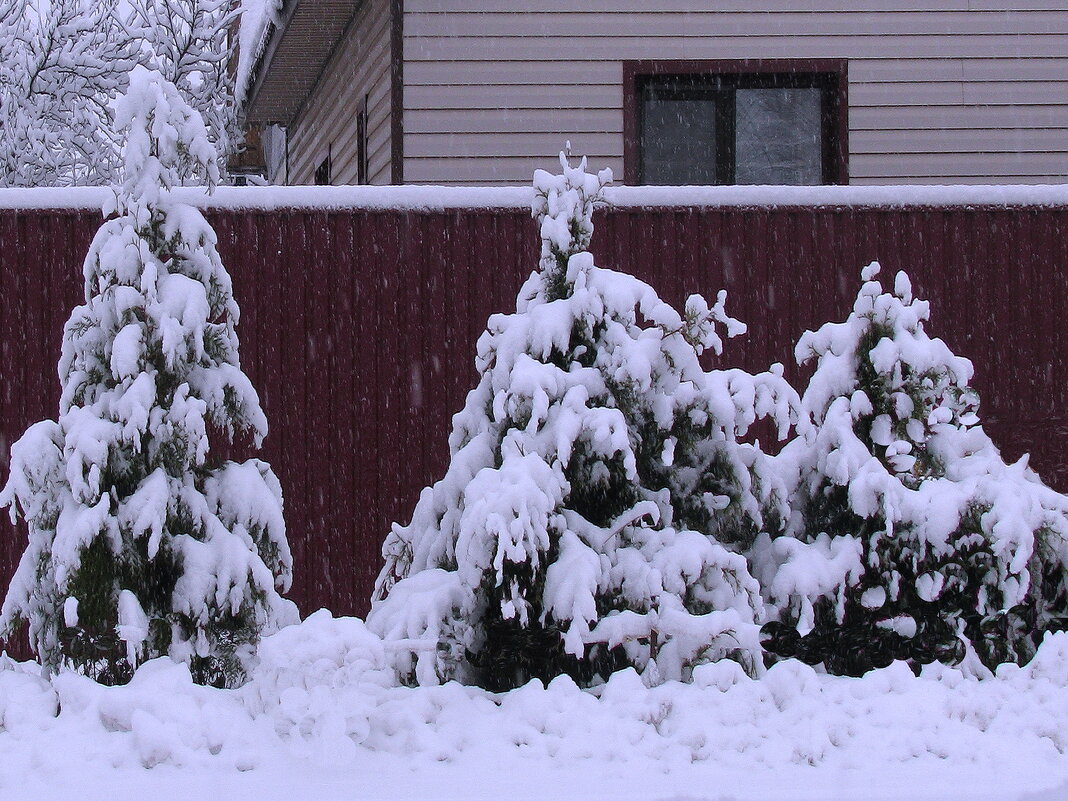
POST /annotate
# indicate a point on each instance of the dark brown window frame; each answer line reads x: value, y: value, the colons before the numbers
x: 835, y: 118
x: 396, y: 91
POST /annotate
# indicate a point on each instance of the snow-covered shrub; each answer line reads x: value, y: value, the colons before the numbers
x: 598, y: 504
x: 138, y: 545
x: 911, y: 537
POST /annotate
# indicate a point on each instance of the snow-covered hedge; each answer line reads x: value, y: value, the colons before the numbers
x: 599, y: 502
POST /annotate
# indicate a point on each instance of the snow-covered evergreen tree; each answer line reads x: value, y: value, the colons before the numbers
x: 139, y: 546
x: 598, y: 504
x: 62, y: 63
x: 911, y: 537
x: 191, y: 43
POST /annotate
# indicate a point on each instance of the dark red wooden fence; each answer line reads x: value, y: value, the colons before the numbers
x: 358, y: 328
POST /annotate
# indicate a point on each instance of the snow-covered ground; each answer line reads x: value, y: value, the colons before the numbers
x: 319, y: 720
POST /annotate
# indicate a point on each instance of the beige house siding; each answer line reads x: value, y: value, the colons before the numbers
x: 976, y: 91
x: 327, y: 122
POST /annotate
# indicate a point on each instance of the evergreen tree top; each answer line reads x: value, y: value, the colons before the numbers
x: 167, y: 145
x: 563, y: 206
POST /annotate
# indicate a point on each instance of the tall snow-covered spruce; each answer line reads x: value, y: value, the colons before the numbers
x: 139, y: 546
x: 911, y: 537
x: 598, y: 505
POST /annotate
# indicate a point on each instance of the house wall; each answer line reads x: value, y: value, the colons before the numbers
x: 975, y: 92
x: 327, y: 122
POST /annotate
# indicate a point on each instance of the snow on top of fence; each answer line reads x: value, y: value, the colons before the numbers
x: 269, y: 198
x: 443, y: 198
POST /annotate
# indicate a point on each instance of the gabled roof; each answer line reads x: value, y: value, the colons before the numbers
x: 294, y: 53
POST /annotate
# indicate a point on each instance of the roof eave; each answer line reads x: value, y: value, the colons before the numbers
x: 297, y: 50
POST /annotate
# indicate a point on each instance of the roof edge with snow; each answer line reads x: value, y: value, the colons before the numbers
x: 291, y: 56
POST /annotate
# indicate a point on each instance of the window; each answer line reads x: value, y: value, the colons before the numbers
x: 322, y: 172
x: 735, y: 122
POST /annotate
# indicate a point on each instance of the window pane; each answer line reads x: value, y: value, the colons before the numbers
x: 678, y: 144
x: 778, y: 136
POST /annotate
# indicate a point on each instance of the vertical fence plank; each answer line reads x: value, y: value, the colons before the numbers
x: 293, y: 362
x: 430, y: 401
x: 325, y: 551
x: 272, y: 383
x: 366, y: 294
x: 11, y: 537
x: 392, y: 255
x: 340, y: 400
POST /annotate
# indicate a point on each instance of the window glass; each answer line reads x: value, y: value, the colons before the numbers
x: 735, y: 128
x: 322, y: 173
x: 778, y: 136
x: 679, y: 141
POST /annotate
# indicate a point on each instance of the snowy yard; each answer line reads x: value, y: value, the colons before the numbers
x: 319, y: 721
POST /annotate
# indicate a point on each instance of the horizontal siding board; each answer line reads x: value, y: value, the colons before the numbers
x: 515, y: 72
x: 940, y: 93
x: 889, y: 165
x: 504, y: 96
x: 587, y: 24
x: 513, y: 121
x: 1003, y: 93
x: 1021, y: 68
x: 1012, y: 118
x: 861, y: 70
x: 942, y: 180
x: 491, y: 170
x: 957, y: 140
x: 766, y: 6
x: 904, y: 69
x: 787, y: 45
x: 494, y: 145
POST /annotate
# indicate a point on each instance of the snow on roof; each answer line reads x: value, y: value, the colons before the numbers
x: 291, y: 42
x: 442, y: 198
x: 256, y: 16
